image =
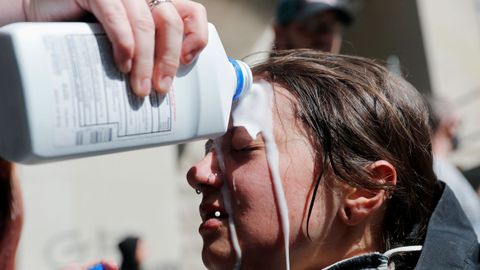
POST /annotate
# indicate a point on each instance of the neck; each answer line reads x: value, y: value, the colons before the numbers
x: 346, y: 242
x: 362, y: 240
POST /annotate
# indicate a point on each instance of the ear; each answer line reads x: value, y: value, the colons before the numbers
x: 360, y: 203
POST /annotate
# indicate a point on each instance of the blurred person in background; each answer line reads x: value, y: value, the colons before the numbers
x: 314, y: 24
x: 444, y: 125
x: 133, y: 253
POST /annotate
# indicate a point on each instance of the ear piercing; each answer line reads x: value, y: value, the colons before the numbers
x: 198, y: 191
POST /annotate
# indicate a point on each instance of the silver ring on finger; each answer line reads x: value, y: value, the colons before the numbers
x: 154, y: 3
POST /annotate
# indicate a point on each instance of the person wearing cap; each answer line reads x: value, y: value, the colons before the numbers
x: 314, y: 24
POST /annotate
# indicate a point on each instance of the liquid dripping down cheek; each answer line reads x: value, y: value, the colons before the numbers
x: 254, y: 112
x: 227, y: 202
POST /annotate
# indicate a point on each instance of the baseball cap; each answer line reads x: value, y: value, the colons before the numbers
x: 290, y: 10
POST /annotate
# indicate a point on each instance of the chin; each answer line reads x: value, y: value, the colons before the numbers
x: 218, y: 259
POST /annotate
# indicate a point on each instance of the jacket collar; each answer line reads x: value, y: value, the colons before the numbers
x: 450, y: 242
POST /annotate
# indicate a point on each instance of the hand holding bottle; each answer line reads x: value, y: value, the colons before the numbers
x: 150, y: 37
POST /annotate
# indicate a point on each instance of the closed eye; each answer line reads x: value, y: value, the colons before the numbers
x: 246, y: 149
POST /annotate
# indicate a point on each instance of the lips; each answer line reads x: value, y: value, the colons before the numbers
x: 213, y: 216
x: 209, y: 211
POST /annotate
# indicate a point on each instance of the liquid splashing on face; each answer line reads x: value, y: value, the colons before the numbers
x: 227, y: 202
x: 254, y: 112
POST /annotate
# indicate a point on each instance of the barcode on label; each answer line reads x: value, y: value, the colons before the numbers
x: 93, y: 136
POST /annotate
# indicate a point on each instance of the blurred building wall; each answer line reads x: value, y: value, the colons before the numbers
x: 436, y: 45
x: 77, y: 211
x: 451, y: 32
x: 387, y: 30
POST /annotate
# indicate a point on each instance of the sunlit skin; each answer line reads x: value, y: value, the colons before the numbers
x: 322, y: 32
x: 254, y: 209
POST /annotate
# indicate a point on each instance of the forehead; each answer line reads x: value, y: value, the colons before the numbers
x: 284, y: 105
x: 285, y: 121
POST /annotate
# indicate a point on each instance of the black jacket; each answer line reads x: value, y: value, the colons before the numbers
x: 450, y: 242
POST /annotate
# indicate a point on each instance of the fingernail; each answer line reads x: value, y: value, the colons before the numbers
x: 165, y: 83
x: 126, y: 66
x: 146, y: 87
x: 189, y: 58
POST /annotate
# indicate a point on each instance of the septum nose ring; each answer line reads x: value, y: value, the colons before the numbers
x: 210, y: 180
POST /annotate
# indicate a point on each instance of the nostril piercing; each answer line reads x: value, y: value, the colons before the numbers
x: 198, y: 191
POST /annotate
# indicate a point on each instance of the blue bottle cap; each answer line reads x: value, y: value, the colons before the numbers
x: 244, y: 78
x: 98, y: 266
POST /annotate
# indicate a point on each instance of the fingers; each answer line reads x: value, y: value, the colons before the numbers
x: 150, y: 43
x: 168, y: 39
x: 113, y: 17
x: 129, y: 26
x: 143, y: 29
x: 195, y: 25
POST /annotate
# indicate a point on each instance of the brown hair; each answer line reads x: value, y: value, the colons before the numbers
x: 357, y: 112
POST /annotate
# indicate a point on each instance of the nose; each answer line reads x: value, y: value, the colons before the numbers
x: 205, y: 173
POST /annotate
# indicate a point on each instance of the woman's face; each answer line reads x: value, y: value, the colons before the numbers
x: 254, y: 207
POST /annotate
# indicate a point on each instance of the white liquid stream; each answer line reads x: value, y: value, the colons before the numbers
x: 254, y: 112
x: 227, y: 203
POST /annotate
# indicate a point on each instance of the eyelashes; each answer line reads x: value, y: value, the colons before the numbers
x: 245, y: 149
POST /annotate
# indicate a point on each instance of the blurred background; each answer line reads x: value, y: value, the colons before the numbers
x: 79, y: 210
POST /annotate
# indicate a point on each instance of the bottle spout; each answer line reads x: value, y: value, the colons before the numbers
x: 244, y: 78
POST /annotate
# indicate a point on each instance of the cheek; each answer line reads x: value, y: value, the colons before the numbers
x: 254, y: 205
x: 324, y: 213
x: 297, y: 171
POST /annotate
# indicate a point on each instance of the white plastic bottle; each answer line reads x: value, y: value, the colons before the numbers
x: 62, y: 97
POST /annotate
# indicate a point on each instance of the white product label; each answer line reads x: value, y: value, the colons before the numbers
x: 93, y: 101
